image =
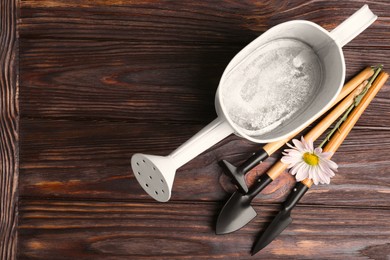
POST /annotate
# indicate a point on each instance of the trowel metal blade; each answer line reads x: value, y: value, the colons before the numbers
x: 236, y: 213
x: 280, y: 222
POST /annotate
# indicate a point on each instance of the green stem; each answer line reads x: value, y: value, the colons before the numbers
x: 337, y: 126
x: 356, y: 102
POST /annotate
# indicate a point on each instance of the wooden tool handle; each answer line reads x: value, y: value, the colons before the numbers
x: 339, y: 136
x: 276, y: 170
x: 325, y: 123
x: 270, y: 148
x: 349, y: 123
x: 321, y: 127
x: 354, y: 82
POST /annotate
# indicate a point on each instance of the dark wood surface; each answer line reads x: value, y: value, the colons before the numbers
x: 9, y: 128
x: 101, y: 80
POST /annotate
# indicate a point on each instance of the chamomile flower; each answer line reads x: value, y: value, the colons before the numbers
x: 305, y: 161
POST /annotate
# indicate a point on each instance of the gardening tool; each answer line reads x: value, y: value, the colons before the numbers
x: 156, y: 173
x: 238, y: 211
x: 238, y: 173
x: 283, y: 218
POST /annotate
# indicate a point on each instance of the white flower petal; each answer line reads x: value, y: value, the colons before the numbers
x: 306, y: 170
x: 331, y: 164
x: 326, y: 169
x: 297, y: 168
x: 322, y: 176
x: 301, y: 173
x: 321, y: 173
x: 325, y: 155
x: 315, y: 179
x: 290, y: 160
x: 299, y: 178
x: 293, y: 169
x: 295, y: 153
x: 308, y: 144
x: 291, y: 146
x: 314, y: 171
x: 327, y: 180
x: 299, y: 145
x: 310, y: 174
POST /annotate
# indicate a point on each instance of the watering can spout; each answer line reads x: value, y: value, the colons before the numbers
x: 155, y: 174
x: 353, y: 25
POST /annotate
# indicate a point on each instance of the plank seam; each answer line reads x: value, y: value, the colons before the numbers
x: 22, y: 199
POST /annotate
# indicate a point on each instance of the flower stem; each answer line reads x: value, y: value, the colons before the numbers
x: 356, y: 102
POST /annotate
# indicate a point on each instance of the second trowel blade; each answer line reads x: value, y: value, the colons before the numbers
x: 236, y: 213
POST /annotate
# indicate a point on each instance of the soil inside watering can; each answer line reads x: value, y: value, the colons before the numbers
x: 274, y: 83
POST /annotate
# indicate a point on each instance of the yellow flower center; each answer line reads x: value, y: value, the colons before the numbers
x: 311, y: 159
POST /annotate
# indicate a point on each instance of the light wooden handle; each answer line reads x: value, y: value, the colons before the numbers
x: 270, y: 148
x: 307, y: 182
x: 325, y: 123
x: 321, y: 127
x: 276, y: 170
x: 349, y: 123
x: 354, y: 82
x: 339, y: 136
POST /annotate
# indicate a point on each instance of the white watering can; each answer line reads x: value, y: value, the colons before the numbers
x: 156, y: 173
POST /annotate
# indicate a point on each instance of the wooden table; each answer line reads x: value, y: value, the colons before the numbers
x: 85, y: 84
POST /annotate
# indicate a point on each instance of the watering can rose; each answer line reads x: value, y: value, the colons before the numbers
x: 307, y: 162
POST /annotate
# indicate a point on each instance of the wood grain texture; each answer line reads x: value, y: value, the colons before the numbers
x: 178, y: 86
x: 102, y: 80
x: 103, y: 61
x: 187, y: 21
x: 130, y: 230
x: 9, y: 122
x: 85, y: 159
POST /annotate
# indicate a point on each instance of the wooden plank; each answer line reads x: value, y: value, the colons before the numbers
x: 9, y: 128
x: 81, y: 159
x: 101, y: 85
x: 130, y: 230
x: 111, y: 60
x: 187, y: 21
x: 102, y: 80
x: 176, y: 86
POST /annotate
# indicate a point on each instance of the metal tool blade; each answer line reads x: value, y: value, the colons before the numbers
x: 238, y: 177
x: 280, y: 222
x: 236, y: 213
x: 282, y: 219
